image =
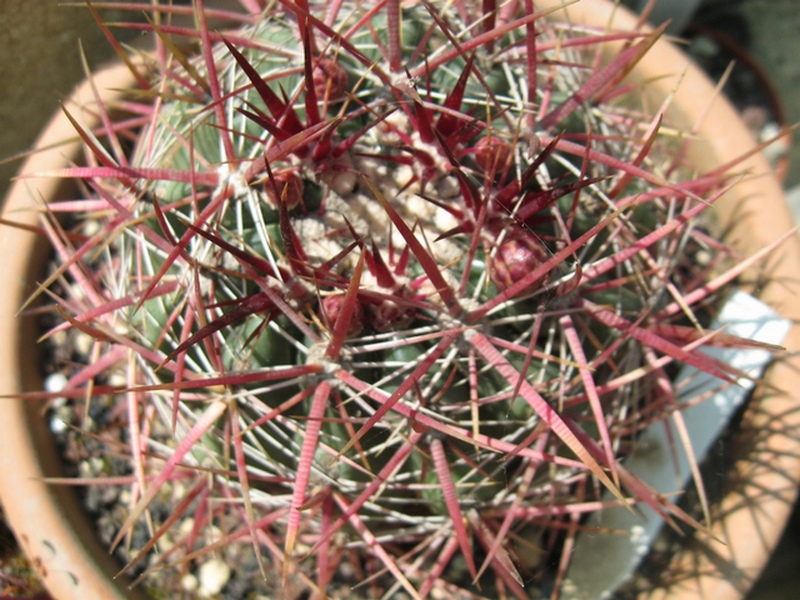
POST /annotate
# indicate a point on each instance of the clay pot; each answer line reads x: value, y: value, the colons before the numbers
x: 58, y: 537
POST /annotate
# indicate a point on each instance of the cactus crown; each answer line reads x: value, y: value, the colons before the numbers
x: 401, y: 282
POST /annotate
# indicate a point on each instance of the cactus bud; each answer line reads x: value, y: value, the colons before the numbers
x: 332, y: 307
x: 492, y: 154
x: 330, y: 80
x: 517, y: 255
x: 289, y: 185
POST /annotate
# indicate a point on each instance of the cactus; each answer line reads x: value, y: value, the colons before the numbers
x: 386, y: 290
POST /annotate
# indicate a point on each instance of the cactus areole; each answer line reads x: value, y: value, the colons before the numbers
x: 387, y: 289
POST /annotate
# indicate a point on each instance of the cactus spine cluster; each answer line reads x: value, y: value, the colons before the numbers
x: 401, y: 280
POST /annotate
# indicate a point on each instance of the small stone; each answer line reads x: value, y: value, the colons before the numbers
x: 186, y: 526
x: 212, y: 534
x: 213, y: 575
x: 58, y: 425
x: 189, y: 583
x: 83, y: 343
x: 55, y: 382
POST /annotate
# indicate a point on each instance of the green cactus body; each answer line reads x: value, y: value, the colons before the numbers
x: 378, y: 247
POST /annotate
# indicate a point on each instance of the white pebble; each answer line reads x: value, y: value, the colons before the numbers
x: 83, y: 343
x: 189, y: 583
x: 212, y: 534
x: 57, y: 425
x: 214, y: 574
x: 55, y: 382
x: 186, y: 526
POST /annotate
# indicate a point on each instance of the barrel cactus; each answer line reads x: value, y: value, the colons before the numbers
x: 386, y: 289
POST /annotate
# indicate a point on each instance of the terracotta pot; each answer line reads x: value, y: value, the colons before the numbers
x: 57, y: 536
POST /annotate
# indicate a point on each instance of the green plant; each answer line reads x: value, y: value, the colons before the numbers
x: 385, y: 291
